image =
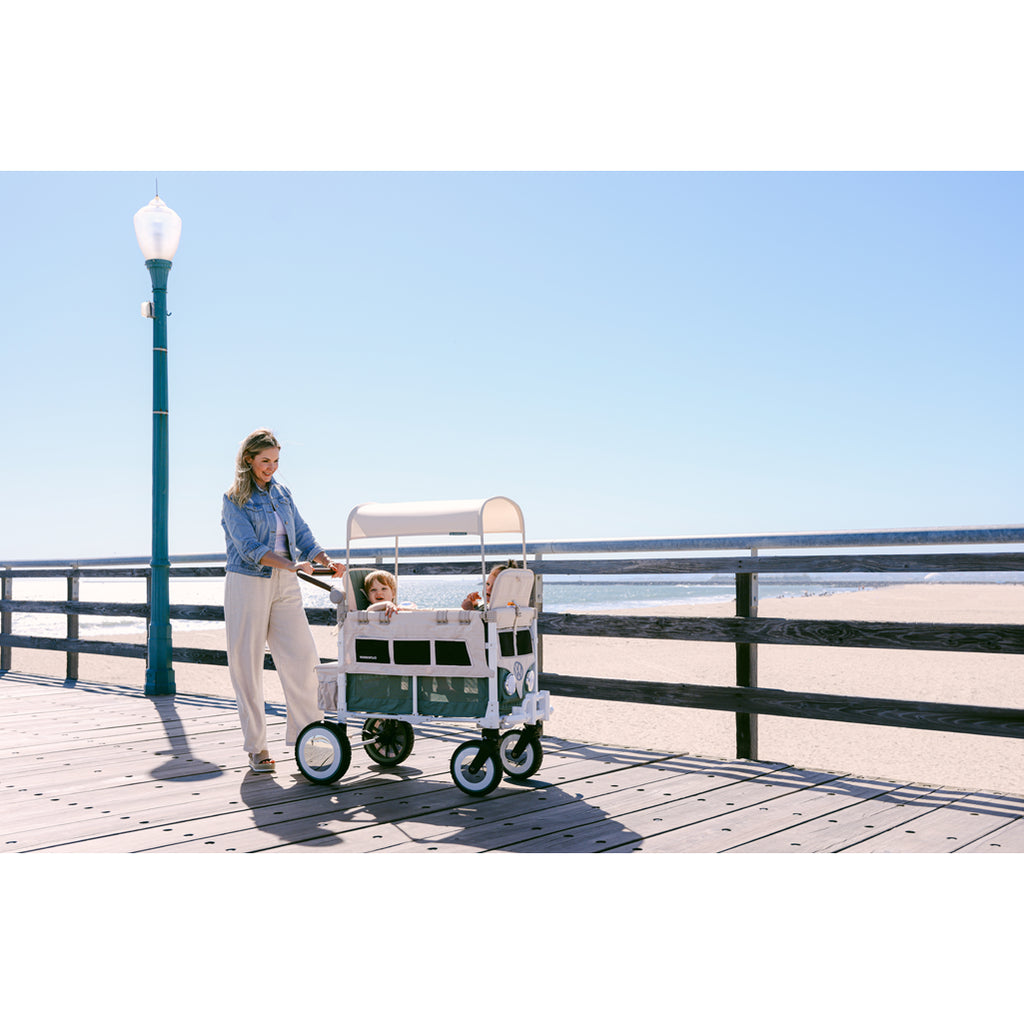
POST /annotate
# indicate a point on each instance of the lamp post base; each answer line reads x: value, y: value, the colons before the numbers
x: 160, y: 682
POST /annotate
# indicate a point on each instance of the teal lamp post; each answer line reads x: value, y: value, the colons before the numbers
x: 158, y: 230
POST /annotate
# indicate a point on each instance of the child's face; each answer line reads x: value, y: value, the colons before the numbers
x: 491, y: 577
x: 380, y: 591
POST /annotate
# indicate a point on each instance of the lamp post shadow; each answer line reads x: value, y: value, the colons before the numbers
x: 182, y: 765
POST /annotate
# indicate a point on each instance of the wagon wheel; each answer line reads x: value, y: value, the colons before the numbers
x: 323, y: 752
x: 387, y: 741
x: 527, y: 762
x: 475, y: 783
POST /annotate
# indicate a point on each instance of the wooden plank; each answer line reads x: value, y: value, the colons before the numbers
x: 784, y: 824
x: 1009, y: 561
x: 185, y: 655
x: 626, y: 825
x: 1008, y: 838
x: 71, y: 661
x: 850, y: 825
x: 180, y: 612
x: 746, y: 665
x: 6, y: 620
x: 595, y: 803
x: 960, y: 718
x: 948, y: 828
x: 979, y: 638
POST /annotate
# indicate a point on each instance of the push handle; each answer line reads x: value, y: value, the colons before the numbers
x: 312, y: 579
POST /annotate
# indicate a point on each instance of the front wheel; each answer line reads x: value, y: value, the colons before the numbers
x: 527, y: 762
x: 475, y: 783
x: 323, y: 752
x: 386, y: 741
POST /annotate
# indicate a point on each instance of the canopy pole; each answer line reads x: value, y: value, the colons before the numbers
x: 483, y: 568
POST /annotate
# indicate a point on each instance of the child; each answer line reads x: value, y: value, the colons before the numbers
x: 472, y: 601
x: 381, y: 589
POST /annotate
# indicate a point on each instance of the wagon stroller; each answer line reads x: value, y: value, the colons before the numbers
x: 477, y: 668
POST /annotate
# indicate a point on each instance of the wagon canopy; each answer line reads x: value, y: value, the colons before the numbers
x: 476, y: 516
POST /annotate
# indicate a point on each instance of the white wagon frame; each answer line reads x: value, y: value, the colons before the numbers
x: 478, y: 668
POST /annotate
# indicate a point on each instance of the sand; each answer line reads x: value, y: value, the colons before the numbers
x: 881, y: 752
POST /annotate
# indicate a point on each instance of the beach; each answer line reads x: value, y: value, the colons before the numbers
x: 880, y: 752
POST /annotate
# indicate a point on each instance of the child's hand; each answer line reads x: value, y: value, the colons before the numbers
x: 387, y: 607
x: 471, y: 601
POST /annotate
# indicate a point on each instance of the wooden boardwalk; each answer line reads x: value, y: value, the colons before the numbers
x: 97, y: 768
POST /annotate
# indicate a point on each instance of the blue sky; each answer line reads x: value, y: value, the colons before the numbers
x: 625, y: 354
x: 652, y: 270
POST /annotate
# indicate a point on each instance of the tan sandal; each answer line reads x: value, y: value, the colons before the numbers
x: 261, y: 762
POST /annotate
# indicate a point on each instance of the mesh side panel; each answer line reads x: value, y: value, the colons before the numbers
x: 383, y: 694
x: 452, y: 696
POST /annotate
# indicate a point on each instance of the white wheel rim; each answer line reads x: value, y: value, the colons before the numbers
x: 319, y: 753
x: 477, y: 780
x: 525, y: 759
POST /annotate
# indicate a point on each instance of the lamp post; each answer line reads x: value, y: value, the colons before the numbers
x: 158, y: 230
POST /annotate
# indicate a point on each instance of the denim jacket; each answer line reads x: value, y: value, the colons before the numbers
x: 250, y: 530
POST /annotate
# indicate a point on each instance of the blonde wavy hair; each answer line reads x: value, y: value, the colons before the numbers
x: 257, y: 441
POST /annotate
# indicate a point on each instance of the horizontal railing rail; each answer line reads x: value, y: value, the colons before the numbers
x: 955, y: 536
x: 745, y: 630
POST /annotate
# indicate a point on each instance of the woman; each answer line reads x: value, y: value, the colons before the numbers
x: 267, y: 543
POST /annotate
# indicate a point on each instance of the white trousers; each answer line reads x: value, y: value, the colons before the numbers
x: 260, y: 612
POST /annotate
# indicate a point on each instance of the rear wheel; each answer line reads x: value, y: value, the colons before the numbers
x: 387, y: 741
x: 323, y: 752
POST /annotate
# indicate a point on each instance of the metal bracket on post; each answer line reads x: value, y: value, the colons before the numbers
x: 746, y: 663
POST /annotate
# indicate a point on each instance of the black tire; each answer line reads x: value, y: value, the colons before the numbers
x: 387, y: 741
x: 478, y: 783
x: 529, y: 760
x: 323, y: 752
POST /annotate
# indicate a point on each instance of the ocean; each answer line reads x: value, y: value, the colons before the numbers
x: 561, y: 594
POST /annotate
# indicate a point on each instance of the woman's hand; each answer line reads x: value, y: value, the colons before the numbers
x: 306, y: 567
x: 337, y: 568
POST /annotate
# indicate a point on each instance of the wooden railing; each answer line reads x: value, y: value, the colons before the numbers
x: 746, y: 631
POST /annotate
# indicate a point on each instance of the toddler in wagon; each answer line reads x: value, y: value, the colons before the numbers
x: 472, y: 602
x: 381, y: 589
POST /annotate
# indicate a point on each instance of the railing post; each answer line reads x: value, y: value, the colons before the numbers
x: 746, y: 664
x: 72, y: 659
x: 6, y: 619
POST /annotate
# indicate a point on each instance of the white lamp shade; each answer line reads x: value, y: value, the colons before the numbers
x: 158, y: 230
